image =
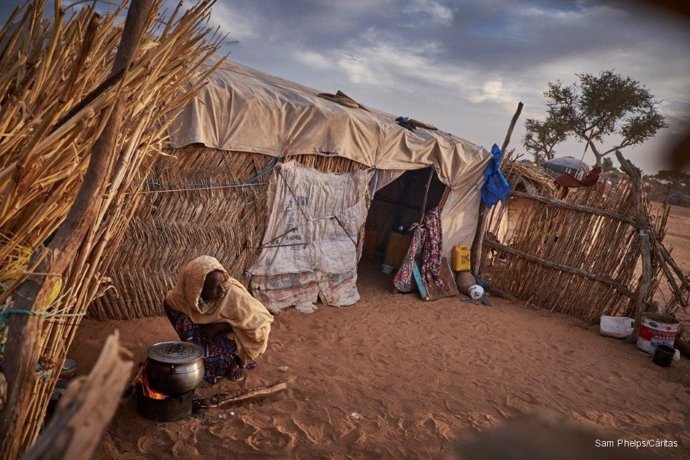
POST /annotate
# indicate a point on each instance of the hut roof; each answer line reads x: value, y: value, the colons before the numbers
x: 243, y: 109
x: 531, y: 178
x: 566, y: 164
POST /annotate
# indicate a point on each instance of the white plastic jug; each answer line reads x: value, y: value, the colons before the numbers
x: 616, y: 326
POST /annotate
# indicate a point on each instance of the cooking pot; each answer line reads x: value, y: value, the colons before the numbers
x: 174, y: 368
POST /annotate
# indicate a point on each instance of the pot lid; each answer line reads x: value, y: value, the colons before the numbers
x: 174, y: 352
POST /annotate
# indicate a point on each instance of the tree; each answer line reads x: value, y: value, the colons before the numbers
x: 599, y: 109
x: 541, y: 137
x: 607, y: 165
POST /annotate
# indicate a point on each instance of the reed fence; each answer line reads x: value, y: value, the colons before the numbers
x: 196, y: 201
x: 578, y: 255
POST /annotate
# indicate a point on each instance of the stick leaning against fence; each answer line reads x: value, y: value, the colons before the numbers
x: 476, y: 253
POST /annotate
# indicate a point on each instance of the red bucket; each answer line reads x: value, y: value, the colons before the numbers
x: 657, y: 330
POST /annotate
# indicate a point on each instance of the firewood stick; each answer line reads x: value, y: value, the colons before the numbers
x: 242, y: 395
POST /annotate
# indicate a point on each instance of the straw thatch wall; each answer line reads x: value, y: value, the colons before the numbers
x: 85, y: 101
x: 196, y: 201
x: 575, y: 256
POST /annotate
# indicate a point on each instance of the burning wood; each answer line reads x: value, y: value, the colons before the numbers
x: 147, y: 390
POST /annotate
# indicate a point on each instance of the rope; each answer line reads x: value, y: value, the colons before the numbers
x: 251, y: 182
x: 195, y: 189
x: 5, y: 314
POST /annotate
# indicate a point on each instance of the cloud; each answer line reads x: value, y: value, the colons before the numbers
x: 433, y: 10
x: 458, y: 64
x: 313, y: 59
x: 238, y: 24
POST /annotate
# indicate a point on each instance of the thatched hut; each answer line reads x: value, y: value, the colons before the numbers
x: 275, y: 180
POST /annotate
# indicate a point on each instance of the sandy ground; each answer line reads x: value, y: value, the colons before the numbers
x: 395, y: 377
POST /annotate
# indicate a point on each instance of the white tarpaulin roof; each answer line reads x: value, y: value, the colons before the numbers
x: 562, y: 163
x: 243, y: 109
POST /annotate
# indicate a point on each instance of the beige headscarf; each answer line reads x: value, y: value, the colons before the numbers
x: 250, y: 320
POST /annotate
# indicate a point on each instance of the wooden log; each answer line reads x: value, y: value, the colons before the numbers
x: 575, y: 207
x: 242, y: 395
x: 675, y: 289
x: 503, y: 294
x: 644, y: 230
x: 557, y: 266
x: 86, y: 407
x: 476, y: 252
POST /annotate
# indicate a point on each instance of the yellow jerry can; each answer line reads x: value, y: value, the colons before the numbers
x: 461, y: 258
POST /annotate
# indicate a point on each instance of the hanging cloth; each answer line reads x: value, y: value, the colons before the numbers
x: 566, y: 181
x: 426, y: 247
x: 495, y: 186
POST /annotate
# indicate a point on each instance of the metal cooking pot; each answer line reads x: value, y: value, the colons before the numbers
x: 174, y: 368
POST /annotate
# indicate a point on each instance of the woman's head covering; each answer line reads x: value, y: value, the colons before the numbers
x: 187, y: 291
x: 250, y: 320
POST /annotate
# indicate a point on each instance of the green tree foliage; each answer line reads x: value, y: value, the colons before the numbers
x: 598, y: 110
x: 541, y: 138
x: 673, y: 175
x: 607, y: 165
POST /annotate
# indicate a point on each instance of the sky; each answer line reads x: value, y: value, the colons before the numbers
x: 463, y: 66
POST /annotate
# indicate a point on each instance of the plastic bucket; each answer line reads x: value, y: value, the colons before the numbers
x: 663, y: 356
x: 657, y: 330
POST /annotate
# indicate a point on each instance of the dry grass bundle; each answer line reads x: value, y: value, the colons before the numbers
x: 196, y: 201
x: 58, y: 94
x: 327, y: 164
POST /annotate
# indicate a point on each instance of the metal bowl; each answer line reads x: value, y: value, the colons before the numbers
x: 69, y: 369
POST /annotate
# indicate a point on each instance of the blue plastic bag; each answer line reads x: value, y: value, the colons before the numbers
x: 495, y: 186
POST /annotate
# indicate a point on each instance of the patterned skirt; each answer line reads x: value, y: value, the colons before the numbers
x: 220, y: 352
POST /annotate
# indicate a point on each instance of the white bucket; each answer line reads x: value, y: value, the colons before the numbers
x: 616, y: 326
x: 657, y: 330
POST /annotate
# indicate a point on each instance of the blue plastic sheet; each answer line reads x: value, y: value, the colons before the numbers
x: 495, y: 186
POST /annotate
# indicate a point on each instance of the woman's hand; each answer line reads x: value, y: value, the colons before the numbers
x: 211, y: 330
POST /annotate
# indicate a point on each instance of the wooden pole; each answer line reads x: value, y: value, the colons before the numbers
x: 33, y: 294
x: 476, y: 252
x: 575, y: 207
x: 426, y: 195
x: 644, y: 230
x: 242, y: 395
x: 86, y: 408
x: 561, y: 267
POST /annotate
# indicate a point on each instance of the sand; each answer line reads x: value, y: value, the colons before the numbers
x: 395, y: 377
